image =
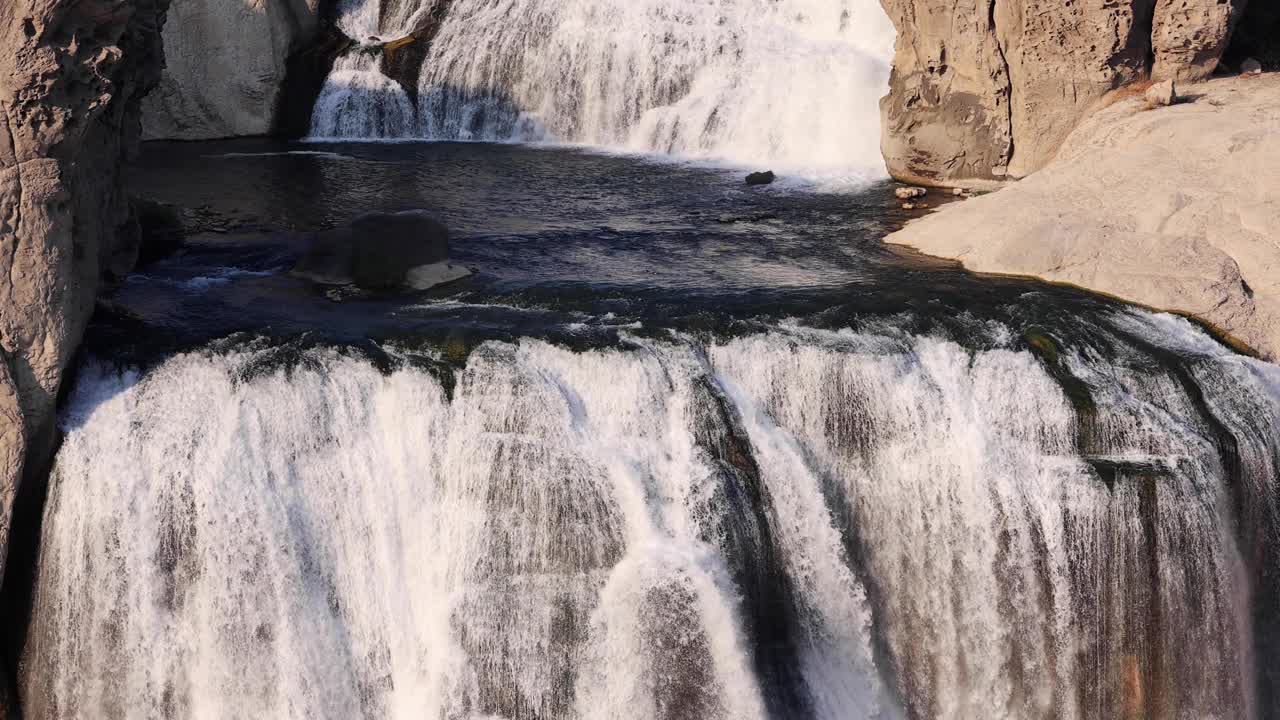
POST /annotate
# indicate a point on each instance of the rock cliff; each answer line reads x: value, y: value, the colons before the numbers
x: 72, y: 77
x: 1173, y: 207
x: 226, y: 62
x: 982, y: 90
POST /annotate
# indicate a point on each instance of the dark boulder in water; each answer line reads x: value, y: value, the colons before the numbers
x: 761, y: 178
x: 155, y: 231
x: 381, y: 251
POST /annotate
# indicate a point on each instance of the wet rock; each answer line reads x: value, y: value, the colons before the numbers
x: 1250, y: 66
x: 907, y: 193
x: 1162, y: 94
x: 761, y: 178
x: 382, y: 251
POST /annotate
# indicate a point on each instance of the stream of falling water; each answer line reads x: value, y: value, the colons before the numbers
x: 793, y: 524
x: 792, y: 84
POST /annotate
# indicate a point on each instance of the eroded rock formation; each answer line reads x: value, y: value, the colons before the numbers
x: 226, y: 66
x: 1188, y: 37
x: 72, y: 76
x: 988, y: 89
x: 1171, y: 207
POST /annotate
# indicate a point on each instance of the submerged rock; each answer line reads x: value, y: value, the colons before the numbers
x: 160, y: 229
x: 761, y: 178
x: 382, y: 251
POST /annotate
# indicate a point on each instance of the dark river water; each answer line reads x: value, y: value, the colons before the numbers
x: 566, y: 245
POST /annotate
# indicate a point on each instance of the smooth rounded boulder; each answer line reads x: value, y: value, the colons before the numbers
x: 387, y: 246
x: 382, y: 251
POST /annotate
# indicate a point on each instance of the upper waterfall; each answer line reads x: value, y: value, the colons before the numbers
x: 792, y: 84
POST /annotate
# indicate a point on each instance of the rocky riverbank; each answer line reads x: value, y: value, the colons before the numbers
x: 1171, y: 207
x: 72, y: 78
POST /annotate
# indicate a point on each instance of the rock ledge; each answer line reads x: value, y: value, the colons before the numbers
x: 1175, y: 208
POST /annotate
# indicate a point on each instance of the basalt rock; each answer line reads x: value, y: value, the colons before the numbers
x: 986, y: 90
x: 381, y: 251
x: 72, y: 77
x: 227, y: 62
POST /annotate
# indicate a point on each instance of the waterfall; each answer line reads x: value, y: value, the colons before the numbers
x: 791, y: 84
x: 792, y: 524
x: 358, y: 101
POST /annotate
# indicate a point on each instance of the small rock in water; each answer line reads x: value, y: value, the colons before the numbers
x: 906, y: 193
x: 908, y: 206
x: 1251, y: 66
x: 957, y: 191
x: 761, y: 178
x: 1162, y: 93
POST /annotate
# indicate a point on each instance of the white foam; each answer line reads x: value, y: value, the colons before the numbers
x: 792, y: 85
x: 224, y: 539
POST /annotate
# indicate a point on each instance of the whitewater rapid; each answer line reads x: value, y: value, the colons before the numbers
x: 789, y: 84
x: 799, y: 523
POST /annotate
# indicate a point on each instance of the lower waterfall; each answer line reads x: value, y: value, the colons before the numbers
x: 792, y: 84
x: 798, y: 523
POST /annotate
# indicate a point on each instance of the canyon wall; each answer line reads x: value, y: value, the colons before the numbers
x: 983, y: 90
x: 226, y: 62
x: 72, y: 76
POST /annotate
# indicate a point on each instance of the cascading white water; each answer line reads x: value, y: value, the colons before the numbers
x: 358, y: 101
x: 790, y: 84
x: 667, y: 531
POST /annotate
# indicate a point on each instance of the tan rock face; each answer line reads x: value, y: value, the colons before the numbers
x: 225, y: 66
x: 1172, y: 207
x: 946, y: 116
x: 985, y: 90
x: 72, y: 76
x: 1189, y: 36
